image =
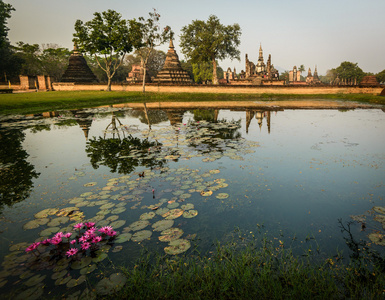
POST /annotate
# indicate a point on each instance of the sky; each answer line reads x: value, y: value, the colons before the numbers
x: 320, y: 33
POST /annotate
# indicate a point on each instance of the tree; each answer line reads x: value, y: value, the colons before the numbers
x: 154, y: 64
x: 203, y: 72
x: 54, y: 61
x: 284, y: 76
x: 29, y: 54
x: 150, y: 36
x: 210, y: 41
x: 108, y: 38
x: 9, y: 63
x: 301, y: 69
x: 349, y: 71
x: 381, y: 76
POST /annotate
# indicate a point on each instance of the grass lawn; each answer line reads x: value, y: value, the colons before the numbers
x: 37, y: 102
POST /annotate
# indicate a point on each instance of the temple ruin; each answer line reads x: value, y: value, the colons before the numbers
x: 172, y: 71
x: 78, y: 70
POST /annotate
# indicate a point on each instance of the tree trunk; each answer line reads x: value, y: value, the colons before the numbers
x: 109, y: 84
x: 215, y: 77
x: 144, y: 79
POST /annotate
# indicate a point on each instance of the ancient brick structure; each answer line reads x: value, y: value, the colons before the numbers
x: 136, y: 74
x: 294, y: 75
x: 78, y: 70
x: 313, y: 79
x: 369, y: 81
x: 172, y: 71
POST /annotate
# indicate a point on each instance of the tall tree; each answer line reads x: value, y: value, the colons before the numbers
x: 349, y: 71
x: 155, y: 61
x: 8, y: 62
x: 54, y: 61
x: 301, y: 69
x: 381, y: 76
x: 151, y: 36
x: 108, y: 38
x: 210, y: 41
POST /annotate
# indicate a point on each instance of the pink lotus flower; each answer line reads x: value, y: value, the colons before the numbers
x: 111, y: 233
x: 68, y: 235
x: 33, y: 246
x: 105, y: 229
x: 72, y: 252
x: 79, y: 226
x: 56, y: 241
x: 89, y: 224
x: 46, y: 242
x: 59, y: 235
x: 97, y: 239
x: 73, y: 242
x: 85, y: 246
x: 83, y: 239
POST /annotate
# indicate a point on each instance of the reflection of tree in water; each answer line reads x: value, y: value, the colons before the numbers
x: 16, y: 172
x: 124, y: 155
x: 154, y: 116
x: 212, y: 133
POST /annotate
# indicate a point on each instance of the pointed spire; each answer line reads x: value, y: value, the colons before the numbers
x: 171, y: 44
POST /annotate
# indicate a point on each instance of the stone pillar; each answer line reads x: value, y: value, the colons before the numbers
x: 41, y: 81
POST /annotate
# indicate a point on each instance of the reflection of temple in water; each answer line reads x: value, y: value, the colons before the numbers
x: 259, y: 115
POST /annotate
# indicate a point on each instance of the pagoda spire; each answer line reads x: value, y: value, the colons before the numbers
x: 260, y: 52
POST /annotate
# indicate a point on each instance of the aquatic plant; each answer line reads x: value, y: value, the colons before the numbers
x: 86, y: 237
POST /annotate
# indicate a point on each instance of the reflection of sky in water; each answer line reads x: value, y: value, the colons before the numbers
x: 312, y: 168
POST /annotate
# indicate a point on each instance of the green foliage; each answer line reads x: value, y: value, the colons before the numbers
x: 148, y: 35
x: 155, y: 61
x: 107, y: 37
x: 187, y: 66
x: 381, y: 76
x: 301, y: 68
x: 349, y: 71
x: 9, y: 63
x: 107, y: 152
x: 210, y: 41
x: 284, y: 76
x: 16, y: 172
x: 203, y: 72
x: 50, y: 60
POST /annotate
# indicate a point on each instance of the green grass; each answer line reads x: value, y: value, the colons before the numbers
x: 30, y: 103
x: 265, y: 272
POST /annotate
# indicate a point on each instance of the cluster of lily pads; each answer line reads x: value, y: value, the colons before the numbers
x: 377, y: 235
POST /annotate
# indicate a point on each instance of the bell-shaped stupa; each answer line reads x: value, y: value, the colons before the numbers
x: 172, y: 71
x: 78, y: 70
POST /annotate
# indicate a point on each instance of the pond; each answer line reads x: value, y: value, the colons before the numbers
x: 176, y: 181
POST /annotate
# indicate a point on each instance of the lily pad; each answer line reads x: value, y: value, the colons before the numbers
x: 100, y: 257
x: 59, y: 274
x: 110, y: 285
x: 35, y: 280
x: 173, y: 214
x: 162, y: 225
x: 18, y: 247
x: 80, y: 264
x: 90, y: 184
x: 170, y: 234
x: 162, y: 210
x: 214, y: 171
x: 62, y: 281
x: 147, y: 216
x: 49, y: 231
x: 187, y: 206
x: 88, y: 269
x: 117, y: 224
x: 377, y: 238
x: 124, y: 237
x: 206, y: 193
x: 107, y: 206
x: 141, y: 235
x: 46, y: 212
x: 222, y: 196
x: 75, y: 282
x: 379, y: 209
x: 379, y: 218
x: 32, y: 293
x: 190, y: 214
x: 35, y: 223
x: 118, y: 210
x: 173, y: 205
x: 67, y: 211
x: 138, y: 225
x: 177, y: 247
x: 57, y: 221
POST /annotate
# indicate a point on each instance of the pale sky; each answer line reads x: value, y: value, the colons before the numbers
x: 312, y: 32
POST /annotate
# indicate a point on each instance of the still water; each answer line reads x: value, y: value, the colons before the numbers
x: 287, y: 174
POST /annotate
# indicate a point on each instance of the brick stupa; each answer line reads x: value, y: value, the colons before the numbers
x: 369, y: 81
x: 78, y: 70
x: 172, y: 71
